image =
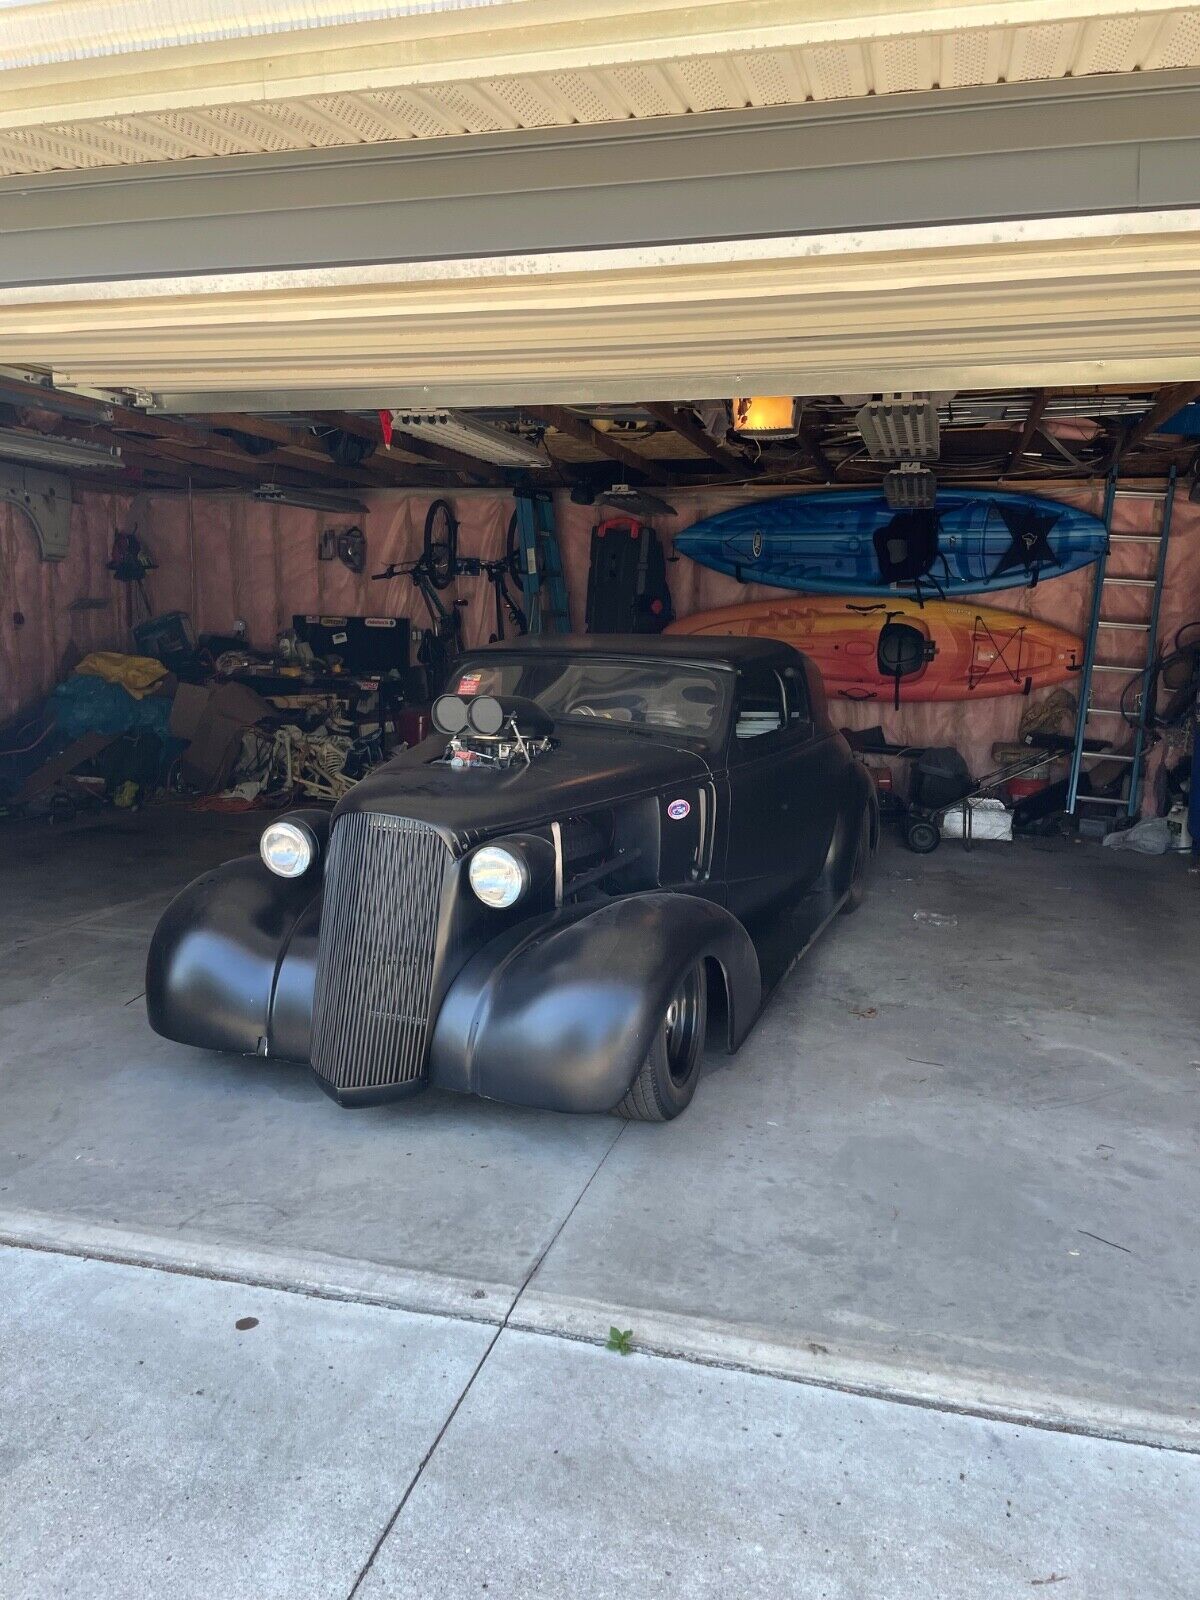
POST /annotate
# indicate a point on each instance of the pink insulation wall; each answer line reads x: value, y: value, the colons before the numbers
x: 223, y: 559
x: 38, y: 628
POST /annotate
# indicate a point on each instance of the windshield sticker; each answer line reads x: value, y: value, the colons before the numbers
x: 469, y: 683
x: 678, y: 809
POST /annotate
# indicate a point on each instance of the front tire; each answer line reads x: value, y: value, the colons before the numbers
x: 668, y: 1076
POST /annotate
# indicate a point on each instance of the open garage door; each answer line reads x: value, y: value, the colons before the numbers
x: 1042, y: 233
x: 1079, y: 300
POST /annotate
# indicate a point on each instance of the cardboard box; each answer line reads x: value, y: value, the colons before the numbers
x: 212, y: 718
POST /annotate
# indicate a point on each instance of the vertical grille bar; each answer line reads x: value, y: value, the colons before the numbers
x: 375, y: 956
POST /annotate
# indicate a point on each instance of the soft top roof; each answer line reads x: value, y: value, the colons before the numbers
x: 703, y: 648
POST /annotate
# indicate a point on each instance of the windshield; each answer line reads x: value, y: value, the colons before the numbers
x: 635, y: 694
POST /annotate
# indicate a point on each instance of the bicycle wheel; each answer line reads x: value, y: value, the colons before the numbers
x: 512, y: 552
x: 441, y: 544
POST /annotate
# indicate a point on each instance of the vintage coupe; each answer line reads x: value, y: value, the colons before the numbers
x: 607, y: 838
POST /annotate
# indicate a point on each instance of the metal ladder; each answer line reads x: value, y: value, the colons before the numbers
x: 543, y: 582
x: 1101, y: 627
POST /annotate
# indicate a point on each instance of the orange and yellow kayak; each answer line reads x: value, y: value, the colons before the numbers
x: 979, y: 651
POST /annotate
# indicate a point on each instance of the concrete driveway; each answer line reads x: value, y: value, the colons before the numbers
x: 954, y: 1165
x: 194, y: 1440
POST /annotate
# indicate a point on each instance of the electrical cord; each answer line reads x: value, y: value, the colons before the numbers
x: 1182, y: 694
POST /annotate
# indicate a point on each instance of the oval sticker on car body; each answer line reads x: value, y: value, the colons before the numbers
x: 678, y: 809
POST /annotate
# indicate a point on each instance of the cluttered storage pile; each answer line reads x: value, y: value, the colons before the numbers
x: 216, y: 721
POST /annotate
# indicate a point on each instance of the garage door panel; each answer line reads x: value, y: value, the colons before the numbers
x: 1110, y: 299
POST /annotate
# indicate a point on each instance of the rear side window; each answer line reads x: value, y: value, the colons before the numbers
x: 760, y: 703
x: 798, y: 704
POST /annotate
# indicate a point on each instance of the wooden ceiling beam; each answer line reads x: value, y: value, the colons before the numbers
x: 85, y: 408
x: 182, y: 473
x: 267, y: 428
x: 1169, y: 401
x: 472, y: 469
x: 188, y: 434
x: 17, y: 392
x: 810, y: 444
x: 351, y: 422
x: 299, y: 451
x: 166, y: 456
x: 297, y: 448
x: 1033, y: 417
x: 578, y: 427
x: 300, y: 466
x: 297, y: 443
x: 230, y: 461
x: 681, y: 421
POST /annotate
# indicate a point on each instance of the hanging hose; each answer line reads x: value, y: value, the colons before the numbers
x: 1185, y: 656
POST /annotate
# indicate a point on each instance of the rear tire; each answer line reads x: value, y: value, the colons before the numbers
x: 668, y: 1076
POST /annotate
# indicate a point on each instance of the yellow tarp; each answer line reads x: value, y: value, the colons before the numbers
x: 137, y: 675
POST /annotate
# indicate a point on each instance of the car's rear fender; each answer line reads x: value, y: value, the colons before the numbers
x: 859, y: 805
x: 561, y: 1011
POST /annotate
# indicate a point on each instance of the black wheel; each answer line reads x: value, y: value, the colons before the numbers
x: 857, y: 891
x: 512, y: 552
x: 668, y: 1077
x: 922, y: 836
x: 441, y: 544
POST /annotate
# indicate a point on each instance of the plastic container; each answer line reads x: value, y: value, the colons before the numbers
x: 166, y: 637
x: 1177, y: 822
x: 1024, y: 788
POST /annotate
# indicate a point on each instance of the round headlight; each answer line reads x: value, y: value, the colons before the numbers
x: 288, y: 848
x: 498, y: 876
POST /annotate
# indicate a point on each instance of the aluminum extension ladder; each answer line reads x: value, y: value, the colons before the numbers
x: 543, y: 583
x: 1101, y: 629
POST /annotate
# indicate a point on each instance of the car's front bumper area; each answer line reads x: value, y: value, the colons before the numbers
x: 556, y: 1011
x: 232, y: 962
x: 232, y: 967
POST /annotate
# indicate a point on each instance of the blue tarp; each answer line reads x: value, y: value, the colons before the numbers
x: 90, y: 705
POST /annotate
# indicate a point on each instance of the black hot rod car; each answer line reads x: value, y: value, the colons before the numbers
x: 542, y: 902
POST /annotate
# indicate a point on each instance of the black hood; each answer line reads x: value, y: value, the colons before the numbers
x: 585, y: 768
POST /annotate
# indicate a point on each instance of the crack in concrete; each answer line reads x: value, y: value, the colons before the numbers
x: 453, y: 1412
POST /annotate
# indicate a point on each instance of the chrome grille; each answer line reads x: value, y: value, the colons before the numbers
x: 375, y: 957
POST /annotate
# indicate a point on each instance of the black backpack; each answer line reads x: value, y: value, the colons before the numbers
x: 627, y: 579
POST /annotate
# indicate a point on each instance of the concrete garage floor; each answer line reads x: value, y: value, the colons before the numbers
x: 955, y: 1164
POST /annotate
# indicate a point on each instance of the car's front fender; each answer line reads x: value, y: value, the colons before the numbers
x: 560, y: 1012
x: 223, y: 948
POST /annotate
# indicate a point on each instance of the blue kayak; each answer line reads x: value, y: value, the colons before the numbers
x: 852, y: 542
